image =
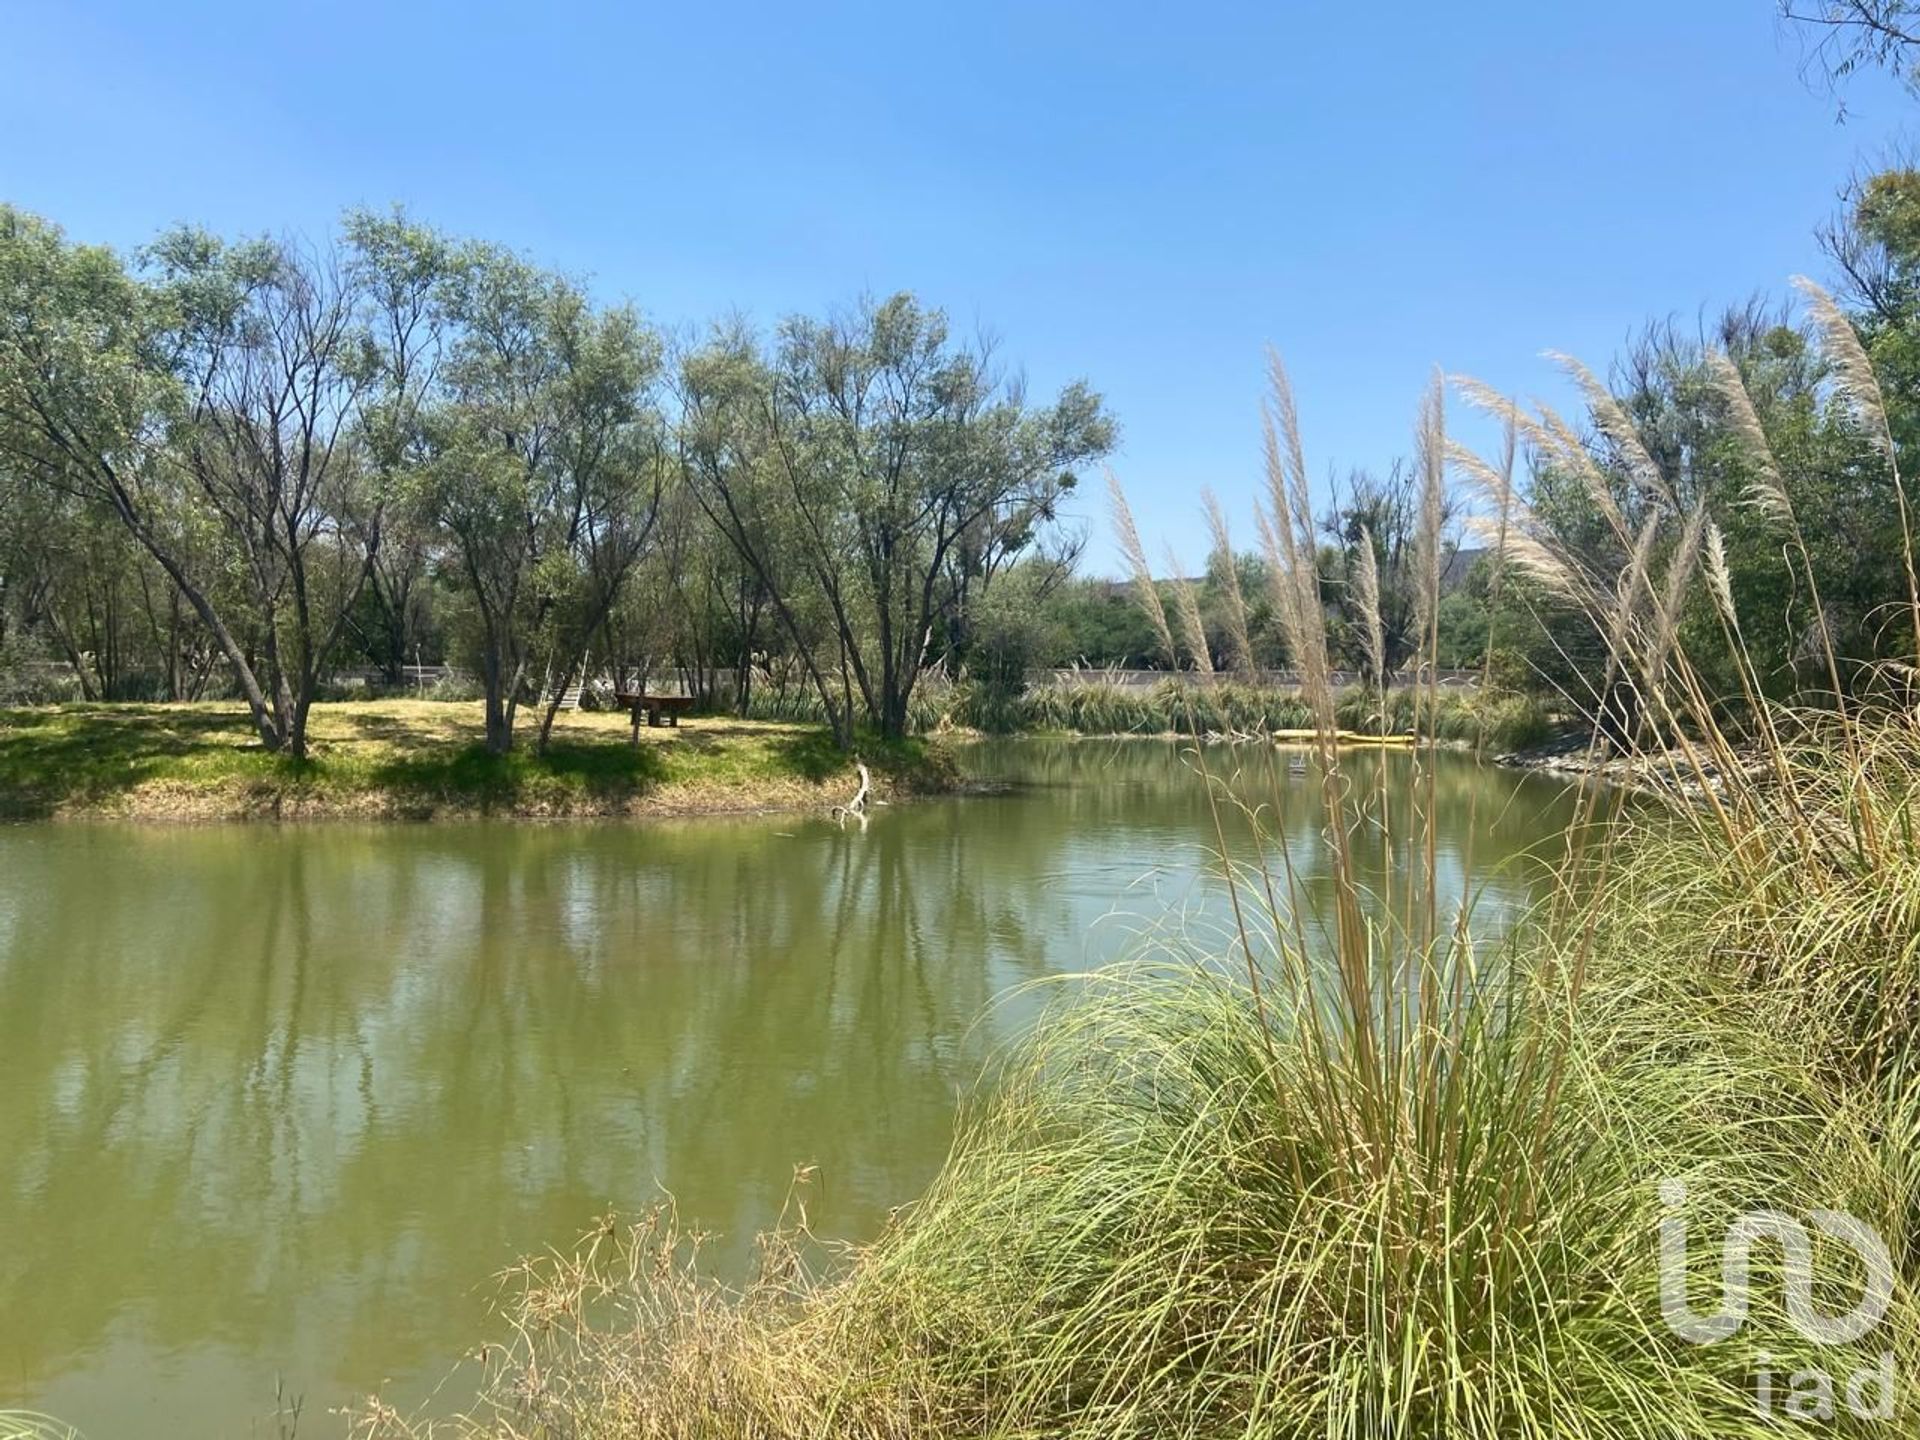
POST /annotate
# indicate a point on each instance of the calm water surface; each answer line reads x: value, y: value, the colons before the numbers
x: 275, y: 1104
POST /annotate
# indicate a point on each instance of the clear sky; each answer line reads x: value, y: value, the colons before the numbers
x: 1144, y: 195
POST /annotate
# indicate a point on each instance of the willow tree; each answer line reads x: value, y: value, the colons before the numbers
x: 726, y: 441
x: 547, y: 467
x: 875, y: 464
x: 213, y: 402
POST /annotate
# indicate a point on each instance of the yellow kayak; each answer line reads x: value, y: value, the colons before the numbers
x: 1289, y: 738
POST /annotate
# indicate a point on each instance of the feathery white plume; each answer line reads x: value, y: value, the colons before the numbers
x: 1240, y: 643
x: 1146, y: 595
x: 1766, y: 491
x: 1617, y: 427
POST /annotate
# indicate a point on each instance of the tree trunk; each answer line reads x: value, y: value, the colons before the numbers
x: 282, y: 696
x: 396, y: 655
x: 572, y: 669
x: 264, y: 720
x: 297, y: 725
x: 893, y: 713
x: 75, y: 660
x: 499, y: 719
x: 499, y: 703
x: 176, y: 677
x: 743, y: 675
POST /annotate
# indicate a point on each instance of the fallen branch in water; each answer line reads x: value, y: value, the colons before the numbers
x: 856, y: 807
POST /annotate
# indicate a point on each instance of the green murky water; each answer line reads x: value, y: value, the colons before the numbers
x: 275, y: 1104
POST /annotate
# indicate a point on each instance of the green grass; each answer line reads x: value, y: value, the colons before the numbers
x: 418, y: 760
x: 1203, y: 1200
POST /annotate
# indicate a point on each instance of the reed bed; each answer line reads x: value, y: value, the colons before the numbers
x: 1096, y: 703
x: 1366, y: 1167
x: 1224, y: 707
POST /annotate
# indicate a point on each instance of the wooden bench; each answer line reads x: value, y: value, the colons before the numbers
x: 654, y: 707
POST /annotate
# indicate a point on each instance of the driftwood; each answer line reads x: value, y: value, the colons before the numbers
x: 856, y: 807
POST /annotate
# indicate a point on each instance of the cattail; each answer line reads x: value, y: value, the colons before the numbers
x: 1615, y: 425
x: 1187, y: 607
x: 1239, y: 641
x: 1146, y: 595
x: 1767, y: 491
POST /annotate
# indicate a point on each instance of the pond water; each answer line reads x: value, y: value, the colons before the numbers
x: 277, y: 1103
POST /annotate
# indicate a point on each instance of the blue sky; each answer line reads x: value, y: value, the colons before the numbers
x: 1142, y: 195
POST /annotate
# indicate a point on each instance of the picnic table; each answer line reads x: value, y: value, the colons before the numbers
x: 653, y: 707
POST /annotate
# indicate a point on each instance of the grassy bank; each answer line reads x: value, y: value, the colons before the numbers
x: 419, y: 760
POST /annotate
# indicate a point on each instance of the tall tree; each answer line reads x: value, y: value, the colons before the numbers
x: 404, y: 269
x: 896, y: 470
x: 1843, y: 36
x: 209, y: 405
x: 274, y: 364
x: 549, y: 461
x: 726, y: 443
x: 1381, y: 513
